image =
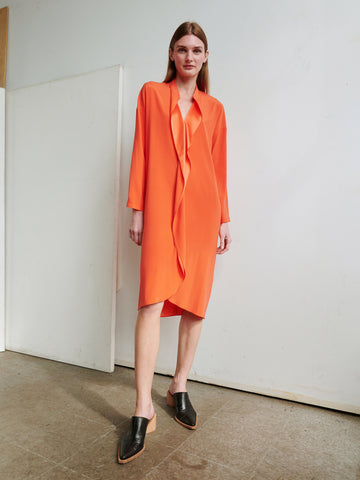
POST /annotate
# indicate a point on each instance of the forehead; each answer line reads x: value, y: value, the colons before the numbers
x: 190, y: 41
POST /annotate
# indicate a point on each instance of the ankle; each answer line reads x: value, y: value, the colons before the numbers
x: 177, y: 385
x: 144, y: 409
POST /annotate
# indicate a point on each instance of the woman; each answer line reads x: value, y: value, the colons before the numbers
x: 178, y: 194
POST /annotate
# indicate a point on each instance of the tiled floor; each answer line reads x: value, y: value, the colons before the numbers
x: 63, y: 422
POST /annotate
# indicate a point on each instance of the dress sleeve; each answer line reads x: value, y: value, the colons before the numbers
x: 219, y: 158
x: 137, y: 179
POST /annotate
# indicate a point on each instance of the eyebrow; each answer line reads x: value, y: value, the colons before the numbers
x: 184, y: 46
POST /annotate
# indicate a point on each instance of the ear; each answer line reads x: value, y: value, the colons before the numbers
x: 171, y: 56
x: 206, y: 56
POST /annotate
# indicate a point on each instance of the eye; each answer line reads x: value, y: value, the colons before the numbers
x: 181, y: 49
x: 197, y: 50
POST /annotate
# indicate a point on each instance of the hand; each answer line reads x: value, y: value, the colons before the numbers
x: 225, y: 238
x: 137, y: 226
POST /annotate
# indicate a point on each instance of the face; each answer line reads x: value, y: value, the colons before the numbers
x: 189, y: 55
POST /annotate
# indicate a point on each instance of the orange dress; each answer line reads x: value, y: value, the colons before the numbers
x: 178, y: 179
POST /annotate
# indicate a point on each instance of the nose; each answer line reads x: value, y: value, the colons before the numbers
x: 188, y: 56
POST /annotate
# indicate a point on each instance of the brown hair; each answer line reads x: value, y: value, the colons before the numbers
x: 189, y: 28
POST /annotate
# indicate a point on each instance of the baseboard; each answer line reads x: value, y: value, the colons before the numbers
x: 269, y: 392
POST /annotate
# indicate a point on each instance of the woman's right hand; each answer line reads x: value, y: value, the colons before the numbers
x: 137, y: 226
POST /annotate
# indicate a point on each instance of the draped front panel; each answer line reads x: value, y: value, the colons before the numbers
x: 182, y: 133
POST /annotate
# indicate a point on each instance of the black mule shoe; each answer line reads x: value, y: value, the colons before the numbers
x: 132, y: 445
x: 185, y: 413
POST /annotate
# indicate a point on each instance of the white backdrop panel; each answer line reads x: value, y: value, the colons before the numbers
x: 283, y: 317
x: 61, y: 218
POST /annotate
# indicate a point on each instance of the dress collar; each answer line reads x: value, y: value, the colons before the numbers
x: 175, y: 94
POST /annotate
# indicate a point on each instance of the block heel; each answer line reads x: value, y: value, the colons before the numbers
x: 151, y: 427
x: 170, y: 399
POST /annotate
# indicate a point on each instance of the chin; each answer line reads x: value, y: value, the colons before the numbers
x: 189, y: 73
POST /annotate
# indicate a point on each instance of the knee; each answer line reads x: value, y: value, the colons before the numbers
x: 152, y: 309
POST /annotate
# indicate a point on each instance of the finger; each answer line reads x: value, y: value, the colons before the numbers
x: 219, y: 250
x: 132, y: 235
x: 224, y: 246
x: 227, y: 244
x: 222, y: 241
x: 229, y: 240
x: 137, y: 238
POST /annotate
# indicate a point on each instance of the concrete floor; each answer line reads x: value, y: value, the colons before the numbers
x: 63, y: 422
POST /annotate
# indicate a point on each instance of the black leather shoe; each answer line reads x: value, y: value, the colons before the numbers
x: 185, y: 413
x: 132, y: 445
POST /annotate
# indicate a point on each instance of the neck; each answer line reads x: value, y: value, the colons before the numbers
x: 186, y: 86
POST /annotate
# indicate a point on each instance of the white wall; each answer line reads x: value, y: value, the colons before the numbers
x: 62, y: 189
x: 283, y: 316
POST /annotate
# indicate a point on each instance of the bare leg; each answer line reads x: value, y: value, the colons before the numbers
x: 147, y: 340
x: 189, y: 334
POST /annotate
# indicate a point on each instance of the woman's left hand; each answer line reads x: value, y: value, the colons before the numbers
x: 225, y: 238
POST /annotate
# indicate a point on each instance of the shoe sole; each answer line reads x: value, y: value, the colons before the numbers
x: 127, y: 460
x: 190, y: 427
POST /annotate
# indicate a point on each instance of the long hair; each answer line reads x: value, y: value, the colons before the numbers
x: 189, y: 28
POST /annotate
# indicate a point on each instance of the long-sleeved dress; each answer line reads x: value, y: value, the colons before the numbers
x: 178, y: 179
